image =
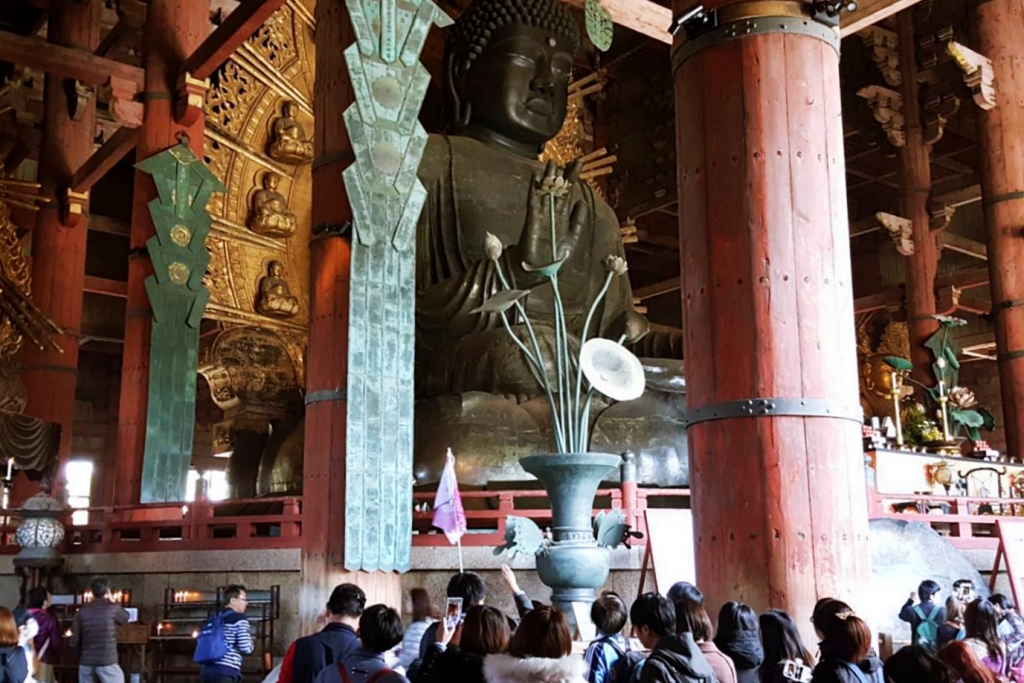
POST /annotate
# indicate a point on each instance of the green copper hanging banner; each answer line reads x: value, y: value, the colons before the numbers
x: 178, y: 298
x: 386, y: 198
x: 600, y: 26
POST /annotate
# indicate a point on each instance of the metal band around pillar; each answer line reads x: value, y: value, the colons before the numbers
x: 774, y: 407
x: 801, y: 26
x: 326, y: 395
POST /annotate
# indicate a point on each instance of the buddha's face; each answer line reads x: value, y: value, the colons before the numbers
x: 519, y: 86
x: 272, y: 181
x: 276, y: 269
x: 289, y: 109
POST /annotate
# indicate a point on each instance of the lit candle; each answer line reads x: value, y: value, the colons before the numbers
x: 67, y: 634
x: 10, y: 467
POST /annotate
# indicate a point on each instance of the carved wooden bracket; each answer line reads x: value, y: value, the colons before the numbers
x: 191, y: 94
x: 978, y: 74
x: 941, y: 215
x: 950, y: 299
x: 72, y: 208
x: 899, y: 230
x: 932, y: 47
x: 628, y: 232
x: 884, y: 47
x: 937, y: 112
x: 123, y: 106
x: 887, y: 108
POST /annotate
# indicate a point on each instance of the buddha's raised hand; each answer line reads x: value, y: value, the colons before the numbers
x: 553, y: 185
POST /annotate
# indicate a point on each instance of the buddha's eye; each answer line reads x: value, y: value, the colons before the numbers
x: 521, y: 60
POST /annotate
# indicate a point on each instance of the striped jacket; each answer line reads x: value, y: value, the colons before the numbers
x: 239, y: 641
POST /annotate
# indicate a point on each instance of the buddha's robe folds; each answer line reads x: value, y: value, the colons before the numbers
x: 474, y: 189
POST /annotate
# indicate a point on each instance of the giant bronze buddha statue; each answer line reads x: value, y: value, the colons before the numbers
x: 508, y: 65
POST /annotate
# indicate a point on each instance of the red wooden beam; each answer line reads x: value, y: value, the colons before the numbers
x: 228, y: 37
x: 106, y: 287
x: 69, y: 62
x: 105, y: 158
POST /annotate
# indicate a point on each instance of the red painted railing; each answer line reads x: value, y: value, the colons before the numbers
x: 969, y: 523
x: 486, y: 511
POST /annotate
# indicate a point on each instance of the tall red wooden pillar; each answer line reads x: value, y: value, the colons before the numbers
x: 323, y: 480
x: 998, y: 33
x: 777, y: 469
x: 58, y: 252
x: 915, y: 187
x: 174, y: 28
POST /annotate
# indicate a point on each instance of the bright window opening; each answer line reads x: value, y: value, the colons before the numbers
x: 79, y: 487
x: 216, y: 485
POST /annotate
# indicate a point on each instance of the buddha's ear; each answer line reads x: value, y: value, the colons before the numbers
x: 455, y: 72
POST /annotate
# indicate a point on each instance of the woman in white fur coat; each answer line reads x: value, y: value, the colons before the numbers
x: 540, y: 652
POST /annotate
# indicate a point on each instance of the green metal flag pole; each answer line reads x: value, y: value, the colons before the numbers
x: 386, y: 197
x: 178, y: 298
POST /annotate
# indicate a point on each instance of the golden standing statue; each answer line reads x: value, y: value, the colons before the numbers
x: 270, y: 214
x: 275, y: 297
x: 289, y: 144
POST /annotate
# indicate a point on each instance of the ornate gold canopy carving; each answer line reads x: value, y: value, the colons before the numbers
x: 246, y: 98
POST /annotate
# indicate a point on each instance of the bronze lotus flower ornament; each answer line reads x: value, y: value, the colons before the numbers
x: 962, y: 397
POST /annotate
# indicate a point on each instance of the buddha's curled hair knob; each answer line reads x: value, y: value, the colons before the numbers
x: 471, y: 33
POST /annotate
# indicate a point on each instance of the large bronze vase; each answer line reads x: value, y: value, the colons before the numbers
x: 573, y: 565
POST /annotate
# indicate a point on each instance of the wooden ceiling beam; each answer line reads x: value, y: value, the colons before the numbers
x: 965, y: 278
x: 962, y: 245
x: 870, y: 12
x: 68, y: 62
x: 642, y: 16
x: 658, y: 288
x: 243, y: 21
x: 105, y: 286
x: 117, y: 147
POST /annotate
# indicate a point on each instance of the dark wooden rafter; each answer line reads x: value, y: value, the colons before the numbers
x: 117, y: 147
x: 84, y: 67
x: 228, y: 37
x: 105, y: 286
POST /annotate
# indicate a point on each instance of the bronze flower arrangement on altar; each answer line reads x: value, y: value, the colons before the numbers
x: 958, y: 416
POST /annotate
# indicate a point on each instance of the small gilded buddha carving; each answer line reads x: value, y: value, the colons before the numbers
x: 275, y: 296
x: 289, y: 144
x: 270, y: 214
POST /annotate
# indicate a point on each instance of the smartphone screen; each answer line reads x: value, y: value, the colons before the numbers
x: 453, y: 613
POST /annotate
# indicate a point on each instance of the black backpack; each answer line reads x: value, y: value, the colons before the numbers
x: 626, y: 668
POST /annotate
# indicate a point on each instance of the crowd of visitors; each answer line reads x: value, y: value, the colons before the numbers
x: 962, y: 639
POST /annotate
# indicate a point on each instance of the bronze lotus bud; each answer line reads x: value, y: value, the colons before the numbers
x: 615, y: 265
x: 962, y: 397
x: 492, y: 247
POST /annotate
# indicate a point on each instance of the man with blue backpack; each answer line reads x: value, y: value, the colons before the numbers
x: 925, y: 617
x: 225, y: 639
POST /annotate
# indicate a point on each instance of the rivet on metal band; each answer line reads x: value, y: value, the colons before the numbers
x: 1011, y: 355
x: 1005, y: 197
x: 774, y: 407
x: 1009, y: 303
x: 803, y: 26
x: 326, y: 395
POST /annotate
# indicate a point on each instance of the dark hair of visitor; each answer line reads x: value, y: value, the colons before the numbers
x: 543, y: 632
x: 914, y: 664
x: 484, y: 631
x: 781, y: 641
x: 683, y: 590
x: 37, y: 597
x: 927, y: 589
x: 846, y: 633
x: 735, y: 617
x: 609, y: 613
x: 1001, y: 601
x: 422, y: 608
x: 468, y: 586
x: 380, y: 628
x: 8, y: 628
x: 965, y: 665
x: 692, y: 618
x: 981, y: 622
x: 233, y: 591
x: 954, y: 611
x: 654, y: 611
x: 347, y: 600
x: 99, y: 588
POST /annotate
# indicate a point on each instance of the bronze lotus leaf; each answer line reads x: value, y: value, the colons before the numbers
x: 962, y: 398
x: 548, y: 269
x: 502, y: 301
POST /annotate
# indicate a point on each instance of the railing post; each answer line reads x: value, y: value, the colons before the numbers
x: 628, y: 486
